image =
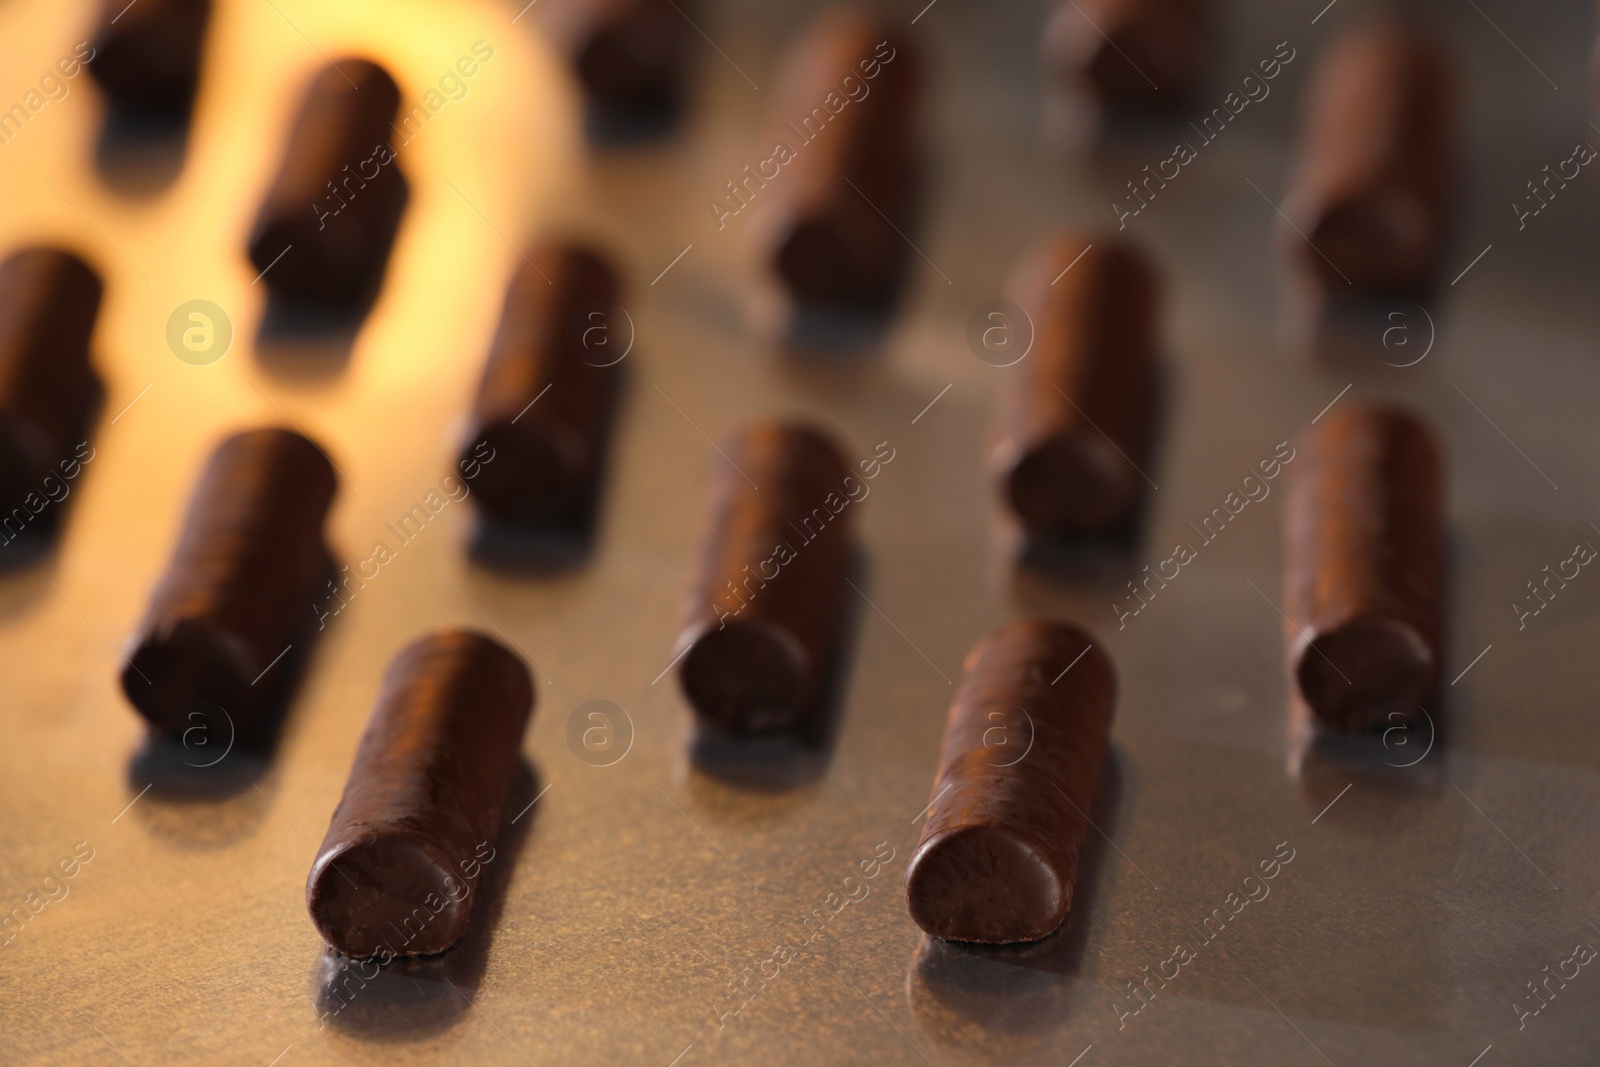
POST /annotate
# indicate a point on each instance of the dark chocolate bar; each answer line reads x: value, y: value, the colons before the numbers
x: 1133, y: 55
x: 147, y: 54
x: 397, y: 871
x: 1079, y: 408
x: 1368, y: 211
x: 842, y: 165
x: 237, y: 609
x: 49, y: 301
x: 1365, y: 569
x: 325, y: 229
x: 766, y: 605
x: 630, y: 56
x: 1023, y: 753
x: 549, y: 390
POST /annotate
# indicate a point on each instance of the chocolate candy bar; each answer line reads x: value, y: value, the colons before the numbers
x: 1135, y: 55
x: 1020, y: 770
x: 842, y: 166
x: 232, y: 618
x: 147, y: 54
x: 1368, y: 208
x: 765, y: 608
x: 1364, y: 569
x: 1079, y: 408
x: 333, y: 210
x: 549, y: 390
x: 630, y: 56
x: 395, y: 875
x: 49, y: 300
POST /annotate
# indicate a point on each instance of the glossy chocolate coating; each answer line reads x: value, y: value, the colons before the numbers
x: 630, y: 56
x: 147, y: 54
x: 998, y: 858
x: 764, y: 610
x: 244, y: 584
x: 1144, y: 55
x: 428, y: 788
x: 49, y: 300
x: 1078, y: 410
x: 1373, y: 187
x: 1365, y: 571
x: 549, y: 390
x: 836, y: 206
x: 335, y: 203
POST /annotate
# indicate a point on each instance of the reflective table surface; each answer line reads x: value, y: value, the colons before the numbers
x: 636, y: 911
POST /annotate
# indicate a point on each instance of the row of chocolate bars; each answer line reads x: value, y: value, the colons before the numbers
x: 1367, y: 214
x: 229, y: 625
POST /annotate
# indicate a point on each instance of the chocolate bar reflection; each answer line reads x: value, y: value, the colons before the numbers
x: 1373, y: 782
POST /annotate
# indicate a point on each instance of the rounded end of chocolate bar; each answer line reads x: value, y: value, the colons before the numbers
x: 1070, y: 483
x: 341, y: 267
x: 194, y: 665
x: 389, y: 895
x: 61, y: 286
x: 747, y: 677
x: 827, y: 262
x: 636, y: 63
x: 279, y: 457
x: 1117, y: 81
x: 984, y: 883
x: 147, y: 57
x: 1369, y: 673
x: 1405, y: 439
x: 1132, y: 56
x: 62, y: 268
x: 358, y: 74
x: 539, y: 473
x: 1382, y: 241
